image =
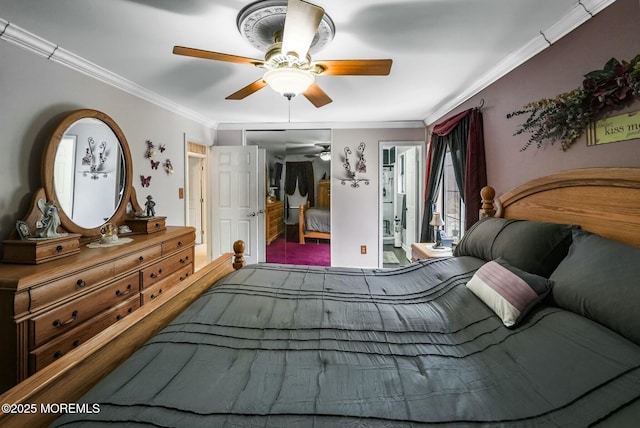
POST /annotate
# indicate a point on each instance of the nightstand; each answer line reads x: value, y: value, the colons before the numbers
x: 425, y: 250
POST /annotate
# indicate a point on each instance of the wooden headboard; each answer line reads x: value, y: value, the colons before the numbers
x: 605, y: 201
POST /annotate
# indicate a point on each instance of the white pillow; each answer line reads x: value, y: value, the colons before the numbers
x: 508, y: 291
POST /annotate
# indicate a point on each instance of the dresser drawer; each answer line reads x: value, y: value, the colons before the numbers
x: 54, y: 291
x: 56, y: 348
x: 178, y: 243
x: 156, y: 291
x: 66, y: 317
x: 162, y: 269
x: 134, y: 261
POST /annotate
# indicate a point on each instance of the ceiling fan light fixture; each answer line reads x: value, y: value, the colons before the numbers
x: 325, y: 156
x: 289, y: 81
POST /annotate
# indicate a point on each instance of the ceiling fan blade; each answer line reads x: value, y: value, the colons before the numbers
x: 247, y: 90
x: 356, y: 67
x: 199, y: 53
x: 317, y: 96
x: 300, y: 26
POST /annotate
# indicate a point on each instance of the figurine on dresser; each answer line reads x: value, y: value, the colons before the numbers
x: 47, y: 226
x: 150, y: 207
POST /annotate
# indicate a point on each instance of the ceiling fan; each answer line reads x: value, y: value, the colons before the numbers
x: 290, y: 70
x: 324, y: 152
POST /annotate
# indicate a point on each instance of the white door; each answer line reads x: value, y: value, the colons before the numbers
x: 411, y: 171
x: 236, y: 200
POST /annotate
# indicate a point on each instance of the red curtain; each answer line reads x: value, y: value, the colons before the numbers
x: 475, y: 171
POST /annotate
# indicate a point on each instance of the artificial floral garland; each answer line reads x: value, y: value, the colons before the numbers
x: 565, y: 117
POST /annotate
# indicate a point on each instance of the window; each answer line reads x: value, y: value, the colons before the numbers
x: 450, y: 202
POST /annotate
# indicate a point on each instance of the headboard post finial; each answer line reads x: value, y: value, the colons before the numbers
x: 238, y: 257
x: 488, y: 195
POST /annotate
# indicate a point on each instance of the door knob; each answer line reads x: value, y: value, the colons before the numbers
x: 252, y: 214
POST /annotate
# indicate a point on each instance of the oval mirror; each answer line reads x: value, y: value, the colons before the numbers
x: 87, y: 171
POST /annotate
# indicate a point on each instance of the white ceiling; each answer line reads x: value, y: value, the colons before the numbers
x: 443, y: 52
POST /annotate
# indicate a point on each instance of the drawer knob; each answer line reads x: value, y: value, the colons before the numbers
x: 58, y: 354
x: 179, y: 243
x: 123, y: 293
x: 119, y: 316
x: 182, y: 278
x: 153, y: 296
x: 76, y: 343
x: 185, y: 260
x: 156, y: 275
x: 61, y: 324
x: 157, y: 225
x: 140, y: 259
x: 59, y: 249
x: 80, y: 283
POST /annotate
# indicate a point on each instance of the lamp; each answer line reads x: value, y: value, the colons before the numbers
x: 289, y: 81
x: 437, y: 223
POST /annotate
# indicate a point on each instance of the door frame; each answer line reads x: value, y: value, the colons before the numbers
x: 203, y: 193
x: 206, y: 218
x: 420, y: 177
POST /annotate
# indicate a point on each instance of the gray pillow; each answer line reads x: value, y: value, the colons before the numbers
x: 600, y: 279
x: 535, y: 247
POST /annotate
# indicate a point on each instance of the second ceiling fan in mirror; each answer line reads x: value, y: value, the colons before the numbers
x: 289, y: 67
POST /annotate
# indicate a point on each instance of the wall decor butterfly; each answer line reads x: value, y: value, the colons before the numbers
x: 162, y: 148
x: 150, y: 152
x: 146, y: 181
x: 154, y: 164
x: 168, y: 167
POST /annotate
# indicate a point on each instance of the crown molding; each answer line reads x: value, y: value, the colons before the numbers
x: 580, y: 13
x: 17, y: 36
x: 319, y: 125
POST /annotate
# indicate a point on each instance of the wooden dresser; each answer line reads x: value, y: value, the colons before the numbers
x: 324, y: 194
x: 50, y: 308
x: 274, y: 218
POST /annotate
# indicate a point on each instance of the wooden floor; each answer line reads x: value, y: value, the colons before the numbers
x: 200, y: 256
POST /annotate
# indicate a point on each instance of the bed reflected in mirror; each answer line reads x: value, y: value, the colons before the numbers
x: 298, y: 169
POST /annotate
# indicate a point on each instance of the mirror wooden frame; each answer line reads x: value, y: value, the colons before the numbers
x: 48, y: 163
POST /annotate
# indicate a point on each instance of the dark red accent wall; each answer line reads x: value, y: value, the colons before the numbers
x: 614, y: 32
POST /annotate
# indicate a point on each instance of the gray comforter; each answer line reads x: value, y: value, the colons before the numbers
x: 317, y: 219
x: 279, y: 346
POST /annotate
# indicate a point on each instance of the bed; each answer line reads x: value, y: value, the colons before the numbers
x: 432, y: 343
x: 313, y: 223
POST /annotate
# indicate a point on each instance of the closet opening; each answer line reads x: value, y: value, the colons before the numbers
x: 298, y: 168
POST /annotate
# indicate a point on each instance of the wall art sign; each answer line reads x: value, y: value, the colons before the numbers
x: 622, y: 127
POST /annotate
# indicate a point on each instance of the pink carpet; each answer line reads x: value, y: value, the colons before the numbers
x: 292, y: 253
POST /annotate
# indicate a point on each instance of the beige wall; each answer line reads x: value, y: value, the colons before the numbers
x: 35, y: 94
x: 355, y: 212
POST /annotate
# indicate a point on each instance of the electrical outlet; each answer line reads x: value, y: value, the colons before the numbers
x: 363, y: 249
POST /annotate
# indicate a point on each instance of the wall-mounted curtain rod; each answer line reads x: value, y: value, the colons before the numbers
x: 481, y: 104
